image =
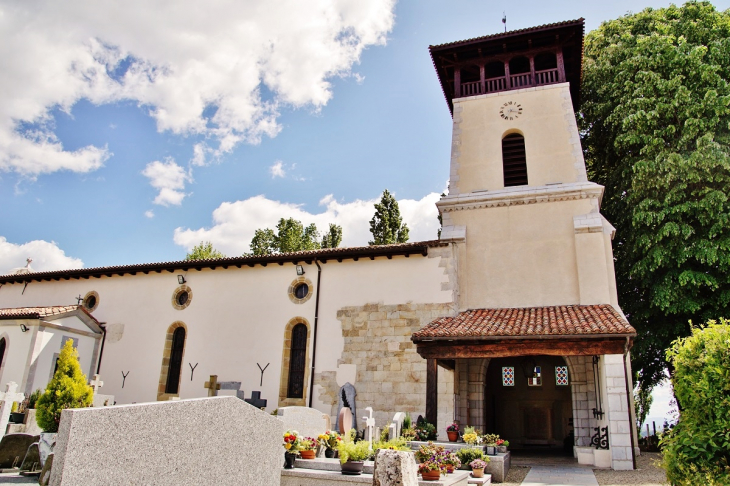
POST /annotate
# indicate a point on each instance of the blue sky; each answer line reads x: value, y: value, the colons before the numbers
x: 129, y: 134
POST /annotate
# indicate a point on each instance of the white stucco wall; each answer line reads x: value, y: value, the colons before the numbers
x: 236, y: 318
x: 16, y: 353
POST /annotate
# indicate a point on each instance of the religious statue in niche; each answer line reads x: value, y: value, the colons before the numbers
x: 346, y: 400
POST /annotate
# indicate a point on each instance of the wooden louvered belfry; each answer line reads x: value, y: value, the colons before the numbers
x: 514, y: 160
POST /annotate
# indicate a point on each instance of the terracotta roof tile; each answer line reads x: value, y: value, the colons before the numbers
x: 41, y: 312
x: 569, y: 320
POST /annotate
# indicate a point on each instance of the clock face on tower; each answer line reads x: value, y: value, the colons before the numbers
x: 511, y: 110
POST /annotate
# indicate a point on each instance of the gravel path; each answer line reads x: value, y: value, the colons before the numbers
x: 515, y: 476
x: 647, y: 473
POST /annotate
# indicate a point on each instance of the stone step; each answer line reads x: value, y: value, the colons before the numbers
x: 487, y: 479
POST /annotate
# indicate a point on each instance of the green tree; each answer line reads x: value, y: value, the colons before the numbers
x: 204, y: 251
x: 333, y: 237
x: 387, y: 226
x: 291, y: 235
x: 642, y: 404
x: 67, y: 389
x: 697, y: 449
x: 654, y: 119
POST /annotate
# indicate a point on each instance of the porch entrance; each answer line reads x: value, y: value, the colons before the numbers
x: 527, y: 404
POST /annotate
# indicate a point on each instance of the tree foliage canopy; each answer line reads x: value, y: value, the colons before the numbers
x: 67, y: 389
x: 204, y: 251
x: 387, y: 226
x: 697, y: 449
x: 291, y: 235
x: 655, y: 121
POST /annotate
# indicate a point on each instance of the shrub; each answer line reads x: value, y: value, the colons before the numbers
x: 33, y: 398
x: 354, y: 451
x: 67, y: 389
x: 466, y: 456
x: 695, y: 451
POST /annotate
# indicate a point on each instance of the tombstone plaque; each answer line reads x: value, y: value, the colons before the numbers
x: 346, y: 399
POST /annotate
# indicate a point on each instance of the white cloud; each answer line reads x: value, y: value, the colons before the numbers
x: 46, y: 256
x: 169, y: 178
x: 235, y: 222
x: 277, y: 170
x: 149, y: 213
x: 198, y: 68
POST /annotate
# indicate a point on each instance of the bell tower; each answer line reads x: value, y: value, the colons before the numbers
x: 523, y: 216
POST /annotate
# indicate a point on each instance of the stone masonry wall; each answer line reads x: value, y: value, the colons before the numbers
x: 391, y: 376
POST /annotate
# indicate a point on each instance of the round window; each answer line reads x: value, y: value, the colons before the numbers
x: 182, y: 298
x: 91, y: 301
x: 301, y: 291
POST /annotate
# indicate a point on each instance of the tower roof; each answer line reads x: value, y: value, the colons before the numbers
x: 566, y: 36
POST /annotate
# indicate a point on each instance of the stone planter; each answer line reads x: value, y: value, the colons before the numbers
x: 490, y: 450
x: 502, y: 449
x: 352, y: 468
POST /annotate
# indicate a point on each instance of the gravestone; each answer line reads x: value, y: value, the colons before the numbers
x: 9, y: 396
x: 32, y: 459
x: 99, y: 399
x: 369, y: 425
x: 256, y: 400
x: 217, y: 440
x: 346, y: 399
x: 344, y: 419
x: 213, y: 386
x: 309, y: 422
x: 45, y: 476
x: 397, y: 423
x: 13, y: 448
x: 395, y: 468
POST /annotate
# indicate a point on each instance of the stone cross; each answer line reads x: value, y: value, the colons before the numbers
x: 256, y: 400
x: 213, y: 386
x: 9, y: 396
x: 370, y: 424
x: 96, y: 383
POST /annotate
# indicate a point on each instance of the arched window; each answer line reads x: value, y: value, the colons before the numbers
x: 176, y: 356
x: 514, y: 161
x: 295, y: 388
x: 172, y: 361
x: 3, y: 345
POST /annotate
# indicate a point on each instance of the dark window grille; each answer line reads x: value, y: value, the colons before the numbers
x: 514, y: 160
x: 295, y: 389
x: 176, y: 356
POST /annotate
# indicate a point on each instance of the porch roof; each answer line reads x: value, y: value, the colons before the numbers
x: 531, y: 322
x: 50, y: 313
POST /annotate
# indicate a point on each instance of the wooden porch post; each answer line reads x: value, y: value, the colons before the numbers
x: 481, y: 79
x: 532, y: 71
x: 457, y: 82
x: 561, y: 66
x: 431, y: 390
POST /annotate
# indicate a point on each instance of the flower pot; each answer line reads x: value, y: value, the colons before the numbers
x: 453, y: 435
x: 449, y: 468
x: 431, y: 475
x: 310, y: 454
x: 490, y: 450
x: 289, y: 458
x: 477, y: 473
x: 352, y: 468
x: 502, y: 449
x: 329, y: 453
x: 16, y: 418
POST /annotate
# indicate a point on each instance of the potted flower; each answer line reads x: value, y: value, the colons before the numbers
x: 292, y: 444
x: 452, y: 462
x: 429, y: 451
x: 330, y: 440
x: 467, y: 455
x: 477, y: 468
x: 472, y: 438
x: 353, y: 455
x: 502, y: 446
x: 453, y: 432
x: 307, y: 446
x: 491, y: 443
x: 431, y: 469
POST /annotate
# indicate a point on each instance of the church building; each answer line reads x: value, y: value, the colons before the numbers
x: 509, y: 322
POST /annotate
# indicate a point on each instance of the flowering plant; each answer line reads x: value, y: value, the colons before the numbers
x: 432, y: 465
x: 292, y: 441
x: 453, y: 427
x: 307, y: 444
x: 430, y: 452
x: 472, y: 438
x: 491, y: 439
x: 478, y: 464
x: 451, y: 459
x: 329, y: 439
x: 499, y: 442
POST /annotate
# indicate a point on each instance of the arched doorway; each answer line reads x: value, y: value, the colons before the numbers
x: 526, y: 403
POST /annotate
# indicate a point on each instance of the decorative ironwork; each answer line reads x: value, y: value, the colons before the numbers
x: 598, y: 411
x: 295, y: 388
x: 124, y: 378
x: 192, y: 370
x: 561, y: 375
x: 262, y: 372
x: 508, y: 376
x: 600, y: 438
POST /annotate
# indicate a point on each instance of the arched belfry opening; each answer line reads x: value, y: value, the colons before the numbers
x: 514, y: 160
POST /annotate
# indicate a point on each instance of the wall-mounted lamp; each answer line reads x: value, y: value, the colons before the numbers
x: 24, y: 328
x: 180, y: 279
x: 300, y: 270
